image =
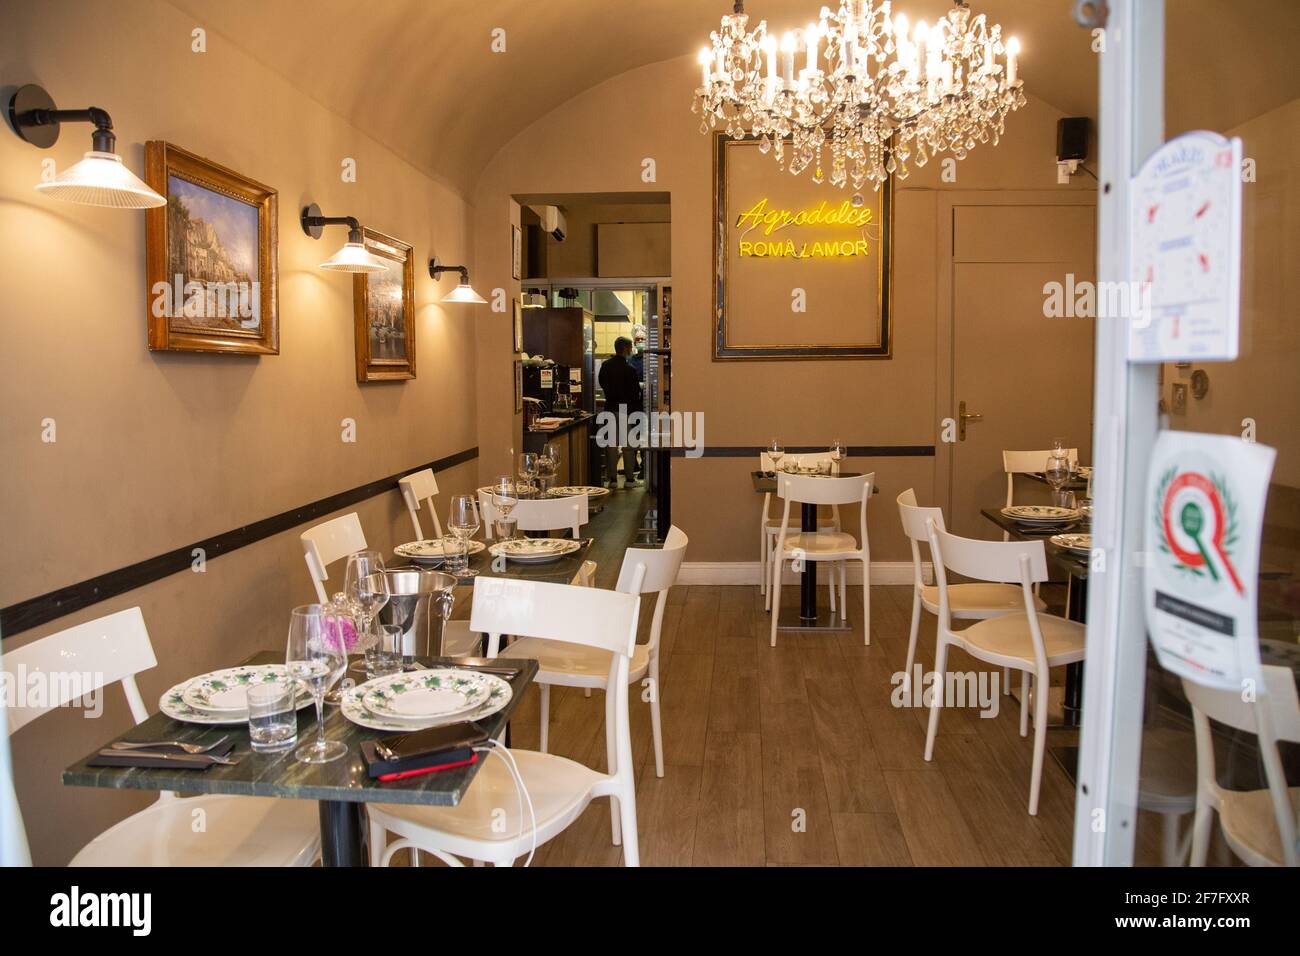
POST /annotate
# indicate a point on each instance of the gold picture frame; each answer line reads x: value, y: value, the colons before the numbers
x: 383, y: 312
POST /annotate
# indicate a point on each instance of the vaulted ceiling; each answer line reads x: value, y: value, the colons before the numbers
x: 420, y: 75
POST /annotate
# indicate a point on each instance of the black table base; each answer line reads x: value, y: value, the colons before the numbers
x: 808, y: 617
x: 343, y: 835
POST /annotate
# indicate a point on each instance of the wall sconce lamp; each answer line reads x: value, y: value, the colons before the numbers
x: 354, y: 256
x: 463, y: 292
x: 99, y: 179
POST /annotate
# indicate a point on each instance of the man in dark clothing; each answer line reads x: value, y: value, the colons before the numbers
x: 622, y: 388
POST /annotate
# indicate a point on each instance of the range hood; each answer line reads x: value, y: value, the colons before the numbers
x: 606, y: 306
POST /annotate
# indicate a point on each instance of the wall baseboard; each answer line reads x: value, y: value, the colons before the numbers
x: 747, y: 572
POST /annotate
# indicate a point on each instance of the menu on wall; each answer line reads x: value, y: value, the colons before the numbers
x: 1205, y: 515
x: 548, y: 378
x: 1185, y: 251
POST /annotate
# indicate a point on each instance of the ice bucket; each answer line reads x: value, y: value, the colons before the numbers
x: 419, y: 602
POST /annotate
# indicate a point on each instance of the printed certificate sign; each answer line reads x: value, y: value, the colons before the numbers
x: 1205, y: 512
x: 1185, y: 231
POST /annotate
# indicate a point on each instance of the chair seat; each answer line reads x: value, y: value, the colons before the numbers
x: 823, y: 543
x: 560, y: 790
x: 965, y: 599
x: 1008, y: 636
x: 1250, y: 825
x: 237, y: 831
x: 574, y: 664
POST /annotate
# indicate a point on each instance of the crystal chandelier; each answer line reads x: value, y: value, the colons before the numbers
x: 873, y: 93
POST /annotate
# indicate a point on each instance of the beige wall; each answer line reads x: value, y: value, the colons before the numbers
x: 1262, y: 383
x: 576, y: 256
x: 583, y: 146
x: 158, y: 450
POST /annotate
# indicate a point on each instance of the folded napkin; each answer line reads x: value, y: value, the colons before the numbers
x: 159, y: 759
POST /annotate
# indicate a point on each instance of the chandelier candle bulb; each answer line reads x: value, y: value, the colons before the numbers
x: 811, y: 37
x: 1013, y: 49
x: 705, y: 58
x: 788, y: 45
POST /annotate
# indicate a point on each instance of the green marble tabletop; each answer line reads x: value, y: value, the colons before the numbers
x: 280, y: 775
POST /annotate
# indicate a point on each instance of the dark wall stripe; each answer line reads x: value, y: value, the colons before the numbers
x: 47, y: 607
x: 855, y: 451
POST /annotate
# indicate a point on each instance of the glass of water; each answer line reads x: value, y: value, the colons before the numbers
x: 388, y: 656
x: 273, y: 717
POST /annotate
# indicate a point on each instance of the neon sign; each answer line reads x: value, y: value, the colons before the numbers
x: 770, y: 220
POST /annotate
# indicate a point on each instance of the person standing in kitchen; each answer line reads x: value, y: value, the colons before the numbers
x: 622, y: 388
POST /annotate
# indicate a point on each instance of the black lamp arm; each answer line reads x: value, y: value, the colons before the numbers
x: 354, y: 227
x: 436, y: 269
x: 103, y: 139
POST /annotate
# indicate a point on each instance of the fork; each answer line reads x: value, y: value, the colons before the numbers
x: 178, y: 744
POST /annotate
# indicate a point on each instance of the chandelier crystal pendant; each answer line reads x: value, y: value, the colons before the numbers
x: 860, y: 90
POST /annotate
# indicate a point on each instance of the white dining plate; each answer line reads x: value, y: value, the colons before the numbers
x: 225, y: 691
x: 1040, y: 514
x: 1074, y: 543
x: 425, y: 695
x: 432, y: 549
x: 572, y: 491
x: 172, y: 703
x: 355, y: 710
x: 534, y: 550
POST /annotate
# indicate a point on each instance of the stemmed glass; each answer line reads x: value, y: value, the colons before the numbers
x: 504, y: 497
x: 839, y: 451
x: 316, y: 656
x: 463, y: 522
x: 529, y: 463
x: 775, y: 452
x: 548, y: 463
x: 1057, y: 474
x: 366, y: 586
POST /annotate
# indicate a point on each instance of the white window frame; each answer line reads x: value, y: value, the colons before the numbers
x: 1125, y: 421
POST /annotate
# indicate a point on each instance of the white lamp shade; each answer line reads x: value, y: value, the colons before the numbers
x: 354, y: 257
x: 100, y: 179
x: 464, y: 292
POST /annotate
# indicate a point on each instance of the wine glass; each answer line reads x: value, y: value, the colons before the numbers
x: 839, y: 451
x: 463, y: 523
x: 366, y: 586
x: 1057, y: 474
x: 529, y: 463
x: 775, y: 452
x: 504, y: 498
x: 548, y: 464
x: 316, y: 657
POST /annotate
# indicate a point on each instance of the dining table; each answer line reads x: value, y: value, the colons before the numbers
x: 1074, y: 569
x: 808, y: 617
x: 341, y: 787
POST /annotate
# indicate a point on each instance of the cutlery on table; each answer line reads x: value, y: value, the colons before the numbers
x: 193, y: 749
x: 188, y: 759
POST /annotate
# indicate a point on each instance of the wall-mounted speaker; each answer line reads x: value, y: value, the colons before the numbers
x: 1072, y: 138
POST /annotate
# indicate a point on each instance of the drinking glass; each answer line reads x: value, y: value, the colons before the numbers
x: 839, y: 452
x: 273, y: 716
x: 529, y: 463
x: 548, y: 463
x: 1057, y: 474
x: 456, y: 561
x: 366, y: 586
x: 464, y: 522
x: 389, y: 657
x: 775, y: 452
x: 316, y: 657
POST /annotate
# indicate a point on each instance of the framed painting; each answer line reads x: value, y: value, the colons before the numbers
x: 516, y: 252
x: 383, y: 309
x: 210, y: 257
x: 519, y: 386
x: 802, y: 270
x: 517, y: 323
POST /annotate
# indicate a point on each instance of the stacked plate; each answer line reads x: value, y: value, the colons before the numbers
x: 534, y: 550
x: 572, y: 491
x: 1080, y: 544
x: 220, y: 698
x: 422, y: 699
x: 432, y: 549
x: 1043, y: 516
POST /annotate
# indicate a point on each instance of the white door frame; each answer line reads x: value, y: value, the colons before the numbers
x: 1131, y: 126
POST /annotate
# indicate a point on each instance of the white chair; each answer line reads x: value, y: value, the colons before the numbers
x: 1026, y: 463
x: 326, y: 543
x: 540, y: 514
x: 487, y: 825
x: 564, y: 664
x: 823, y: 545
x: 1259, y: 825
x: 1026, y: 641
x: 968, y: 602
x: 237, y: 831
x: 416, y: 487
x: 769, y: 527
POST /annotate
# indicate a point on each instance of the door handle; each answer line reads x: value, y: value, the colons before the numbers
x: 963, y: 417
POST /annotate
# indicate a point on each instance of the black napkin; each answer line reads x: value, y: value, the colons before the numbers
x: 159, y: 759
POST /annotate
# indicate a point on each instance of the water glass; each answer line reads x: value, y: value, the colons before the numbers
x: 273, y: 717
x: 775, y: 452
x: 456, y: 563
x: 505, y: 528
x: 389, y: 656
